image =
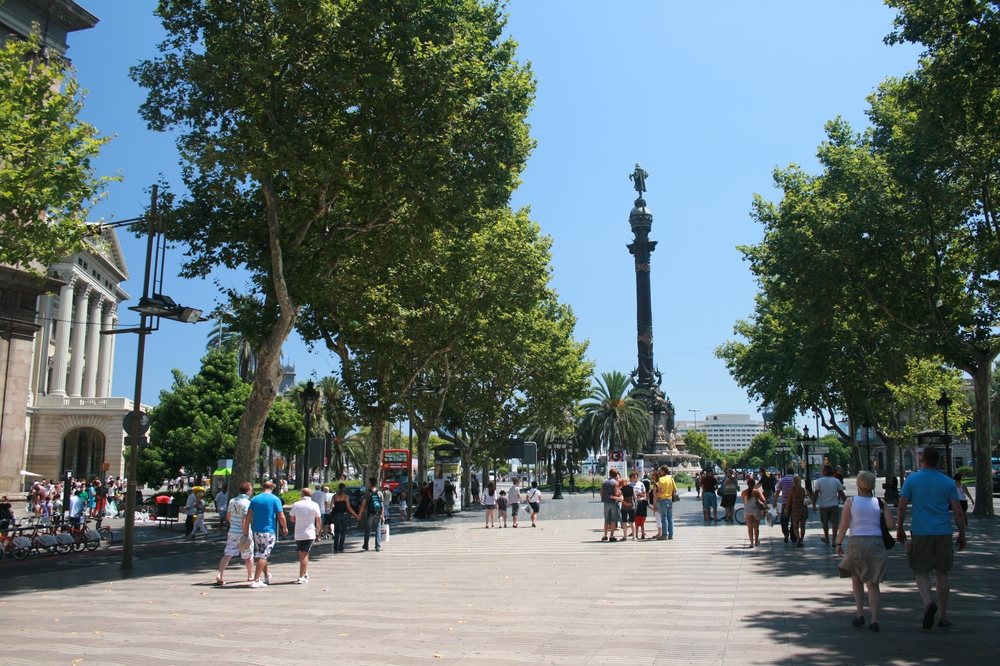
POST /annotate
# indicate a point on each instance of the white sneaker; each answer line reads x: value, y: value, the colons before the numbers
x: 258, y: 584
x: 302, y: 580
x: 268, y: 579
x: 306, y: 577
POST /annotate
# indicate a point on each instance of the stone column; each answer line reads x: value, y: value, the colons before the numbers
x: 91, y: 362
x: 108, y: 323
x: 63, y: 317
x: 75, y: 383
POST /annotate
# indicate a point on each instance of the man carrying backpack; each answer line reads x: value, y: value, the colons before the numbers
x: 371, y: 514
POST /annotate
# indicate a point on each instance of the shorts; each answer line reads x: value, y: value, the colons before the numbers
x: 728, y: 501
x: 612, y: 513
x: 829, y: 514
x: 514, y: 508
x: 304, y: 545
x: 328, y: 519
x: 535, y: 506
x: 641, y: 509
x: 263, y: 543
x: 640, y: 521
x: 233, y: 548
x: 965, y: 505
x: 628, y: 516
x: 927, y: 552
x: 709, y: 501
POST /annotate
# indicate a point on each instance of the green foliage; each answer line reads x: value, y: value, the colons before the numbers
x: 616, y: 418
x: 46, y: 180
x: 925, y: 382
x: 967, y: 472
x: 285, y: 430
x: 196, y: 421
x: 698, y: 444
x: 682, y: 478
x: 290, y: 497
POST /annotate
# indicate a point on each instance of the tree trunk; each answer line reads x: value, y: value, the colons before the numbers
x: 376, y: 443
x: 423, y: 455
x: 982, y: 379
x: 466, y: 477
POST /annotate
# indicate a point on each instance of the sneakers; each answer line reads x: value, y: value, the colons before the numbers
x: 258, y: 584
x: 268, y: 579
x: 612, y: 539
x: 604, y: 538
x: 303, y: 579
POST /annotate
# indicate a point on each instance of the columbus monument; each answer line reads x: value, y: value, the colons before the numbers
x: 663, y: 445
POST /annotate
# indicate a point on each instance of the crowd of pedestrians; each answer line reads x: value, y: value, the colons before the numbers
x: 497, y: 502
x: 628, y: 503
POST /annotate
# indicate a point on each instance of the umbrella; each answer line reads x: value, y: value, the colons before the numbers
x: 222, y: 471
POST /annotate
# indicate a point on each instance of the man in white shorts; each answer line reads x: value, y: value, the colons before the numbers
x: 236, y: 542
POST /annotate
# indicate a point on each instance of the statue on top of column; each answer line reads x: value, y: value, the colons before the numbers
x: 638, y: 178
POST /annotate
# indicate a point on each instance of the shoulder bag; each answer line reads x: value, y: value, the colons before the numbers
x: 886, y: 536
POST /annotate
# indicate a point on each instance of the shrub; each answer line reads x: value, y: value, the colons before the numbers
x: 291, y: 496
x: 967, y: 472
x: 682, y: 478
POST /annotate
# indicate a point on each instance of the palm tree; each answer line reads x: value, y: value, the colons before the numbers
x: 337, y: 416
x: 222, y: 335
x: 616, y: 418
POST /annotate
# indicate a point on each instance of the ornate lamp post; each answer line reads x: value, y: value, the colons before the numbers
x: 944, y: 402
x: 806, y: 441
x: 559, y: 446
x: 309, y: 397
x: 868, y: 444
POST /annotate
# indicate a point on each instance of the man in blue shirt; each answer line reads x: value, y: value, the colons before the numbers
x: 264, y: 516
x: 933, y: 496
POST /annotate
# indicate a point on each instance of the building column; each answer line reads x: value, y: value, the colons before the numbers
x: 75, y: 383
x: 108, y: 323
x: 63, y: 322
x: 40, y: 354
x: 91, y: 362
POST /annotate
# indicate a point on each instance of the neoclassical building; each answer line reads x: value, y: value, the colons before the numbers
x: 73, y: 422
x: 57, y: 412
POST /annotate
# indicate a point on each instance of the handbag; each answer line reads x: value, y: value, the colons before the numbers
x: 887, y: 539
x: 676, y: 496
x: 385, y: 533
x: 771, y: 517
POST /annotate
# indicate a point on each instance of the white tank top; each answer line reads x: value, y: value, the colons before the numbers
x: 961, y: 494
x: 865, y: 517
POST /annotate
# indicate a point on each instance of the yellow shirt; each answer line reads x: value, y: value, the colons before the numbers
x: 665, y: 487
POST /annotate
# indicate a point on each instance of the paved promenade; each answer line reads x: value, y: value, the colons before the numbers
x: 452, y: 591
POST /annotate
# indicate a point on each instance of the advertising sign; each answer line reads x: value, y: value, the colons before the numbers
x: 617, y: 460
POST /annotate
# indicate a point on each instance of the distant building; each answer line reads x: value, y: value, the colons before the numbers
x: 288, y: 381
x: 726, y: 432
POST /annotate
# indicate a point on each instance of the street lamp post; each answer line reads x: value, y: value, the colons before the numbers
x: 868, y: 444
x: 558, y: 446
x: 152, y: 306
x: 309, y: 396
x: 944, y: 402
x: 572, y: 464
x: 694, y: 418
x: 806, y: 440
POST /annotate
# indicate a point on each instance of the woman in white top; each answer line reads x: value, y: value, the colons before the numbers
x: 866, y: 559
x: 490, y: 502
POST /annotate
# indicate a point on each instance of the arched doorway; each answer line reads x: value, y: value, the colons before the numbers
x: 83, y: 452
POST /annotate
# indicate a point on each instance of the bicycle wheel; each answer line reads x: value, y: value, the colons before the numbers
x: 21, y: 552
x: 79, y: 543
x: 107, y: 538
x: 91, y: 544
x: 740, y: 518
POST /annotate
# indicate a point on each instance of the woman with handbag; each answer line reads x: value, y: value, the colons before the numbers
x: 797, y: 509
x: 753, y: 509
x: 866, y: 560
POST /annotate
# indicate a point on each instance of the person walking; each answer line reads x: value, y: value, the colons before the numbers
x: 308, y: 521
x: 190, y: 514
x: 709, y: 499
x: 780, y: 501
x: 651, y: 498
x: 474, y: 489
x: 610, y: 497
x: 264, y: 515
x: 221, y: 502
x: 371, y: 514
x: 866, y: 560
x: 730, y: 490
x: 964, y: 497
x: 321, y: 496
x: 754, y: 504
x: 535, y: 502
x: 238, y: 542
x: 767, y: 484
x: 490, y: 502
x: 697, y: 483
x: 827, y: 494
x: 798, y: 511
x: 933, y: 496
x: 666, y: 491
x: 514, y: 499
x: 340, y: 515
x: 502, y: 508
x: 199, y: 522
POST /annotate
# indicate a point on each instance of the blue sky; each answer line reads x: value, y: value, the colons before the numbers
x: 708, y: 97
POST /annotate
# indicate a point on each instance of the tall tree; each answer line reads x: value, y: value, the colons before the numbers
x: 47, y: 183
x: 306, y: 123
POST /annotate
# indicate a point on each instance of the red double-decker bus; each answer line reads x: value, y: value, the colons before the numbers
x: 395, y: 468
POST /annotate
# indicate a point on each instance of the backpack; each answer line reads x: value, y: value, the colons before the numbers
x: 374, y: 503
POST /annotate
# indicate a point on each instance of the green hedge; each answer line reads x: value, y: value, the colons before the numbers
x: 967, y: 472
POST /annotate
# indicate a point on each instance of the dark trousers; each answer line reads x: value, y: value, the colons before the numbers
x: 339, y: 530
x: 188, y: 525
x: 373, y: 523
x: 785, y: 516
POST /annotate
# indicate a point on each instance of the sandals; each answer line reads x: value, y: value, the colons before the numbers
x: 219, y: 581
x: 859, y: 621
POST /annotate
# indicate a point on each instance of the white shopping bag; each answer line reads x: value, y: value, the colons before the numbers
x: 385, y: 533
x: 771, y: 517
